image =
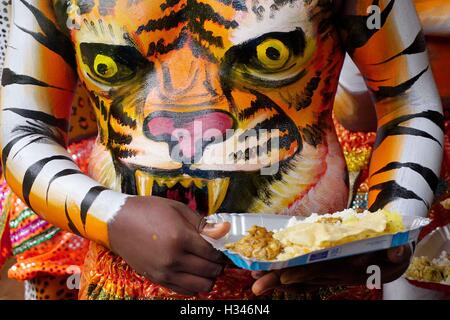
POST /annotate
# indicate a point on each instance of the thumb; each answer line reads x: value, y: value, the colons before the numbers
x: 216, y: 230
x: 266, y: 283
x: 399, y: 255
x: 192, y: 217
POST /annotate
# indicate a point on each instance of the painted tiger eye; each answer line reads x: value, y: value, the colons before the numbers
x: 105, y: 66
x: 272, y: 54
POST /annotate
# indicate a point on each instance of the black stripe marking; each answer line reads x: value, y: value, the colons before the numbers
x: 36, y: 129
x: 191, y: 15
x: 168, y: 4
x: 418, y: 46
x: 29, y: 143
x: 119, y: 138
x: 46, y: 118
x: 87, y: 202
x: 162, y: 48
x: 9, y: 77
x: 71, y: 225
x: 392, y: 92
x: 279, y: 121
x: 32, y: 173
x: 357, y: 32
x: 63, y: 173
x: 305, y: 99
x: 428, y: 174
x: 52, y: 38
x: 118, y: 113
x: 391, y: 191
x: 123, y: 152
x: 7, y: 149
x: 392, y: 128
x: 399, y: 131
x: 251, y: 111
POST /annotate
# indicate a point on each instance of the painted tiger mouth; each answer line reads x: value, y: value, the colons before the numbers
x: 202, y: 195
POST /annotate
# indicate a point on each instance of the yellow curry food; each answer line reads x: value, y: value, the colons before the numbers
x: 430, y: 270
x: 315, y: 233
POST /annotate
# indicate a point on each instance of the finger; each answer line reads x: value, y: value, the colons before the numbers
x: 362, y: 261
x: 192, y: 217
x: 194, y: 283
x: 392, y: 271
x: 349, y: 271
x: 198, y: 246
x: 212, y: 230
x: 216, y: 230
x: 342, y: 271
x: 197, y: 266
x: 399, y: 255
x: 258, y: 274
x: 302, y: 274
x: 397, y: 263
x: 266, y: 283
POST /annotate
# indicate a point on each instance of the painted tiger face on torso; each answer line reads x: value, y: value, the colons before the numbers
x: 194, y: 98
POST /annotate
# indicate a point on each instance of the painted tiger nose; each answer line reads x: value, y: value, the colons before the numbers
x: 188, y: 133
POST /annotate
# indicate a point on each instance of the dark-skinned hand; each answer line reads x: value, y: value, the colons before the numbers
x: 160, y: 239
x: 346, y: 271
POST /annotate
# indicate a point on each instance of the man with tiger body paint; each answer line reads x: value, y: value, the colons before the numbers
x: 154, y: 68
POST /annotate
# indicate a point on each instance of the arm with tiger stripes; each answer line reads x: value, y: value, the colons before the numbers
x: 38, y: 82
x: 393, y: 60
x: 408, y: 150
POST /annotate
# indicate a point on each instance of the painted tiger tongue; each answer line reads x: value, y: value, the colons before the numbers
x: 188, y: 198
x: 200, y: 128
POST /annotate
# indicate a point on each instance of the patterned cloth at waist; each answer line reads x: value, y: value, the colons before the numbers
x: 106, y: 276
